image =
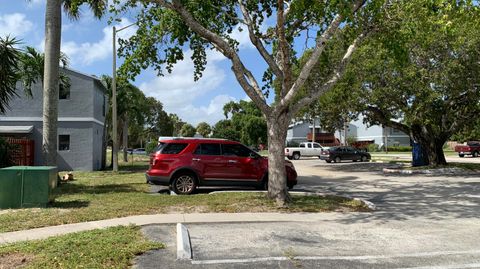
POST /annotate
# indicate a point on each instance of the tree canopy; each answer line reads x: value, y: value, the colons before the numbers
x: 275, y: 29
x: 417, y: 73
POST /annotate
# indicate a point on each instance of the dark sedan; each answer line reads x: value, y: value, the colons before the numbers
x: 338, y: 154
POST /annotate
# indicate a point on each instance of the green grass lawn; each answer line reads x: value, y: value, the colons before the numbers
x: 114, y: 247
x: 104, y: 195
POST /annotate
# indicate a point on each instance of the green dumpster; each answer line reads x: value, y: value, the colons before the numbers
x: 27, y: 186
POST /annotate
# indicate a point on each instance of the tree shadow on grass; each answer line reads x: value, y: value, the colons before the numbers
x: 69, y: 204
x: 98, y: 189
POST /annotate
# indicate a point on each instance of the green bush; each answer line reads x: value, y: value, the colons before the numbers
x: 400, y: 148
x: 5, y: 157
x: 373, y: 148
x: 150, y: 147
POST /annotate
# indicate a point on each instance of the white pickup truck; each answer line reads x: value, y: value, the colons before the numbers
x: 304, y: 149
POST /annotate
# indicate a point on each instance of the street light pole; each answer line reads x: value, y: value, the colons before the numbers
x: 114, y: 104
x: 114, y: 97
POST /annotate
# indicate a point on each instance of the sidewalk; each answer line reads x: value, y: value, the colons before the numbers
x: 42, y: 233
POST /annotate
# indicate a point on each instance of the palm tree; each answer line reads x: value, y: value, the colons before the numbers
x: 53, y: 29
x: 9, y: 70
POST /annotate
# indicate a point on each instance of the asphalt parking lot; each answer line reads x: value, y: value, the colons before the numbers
x: 420, y: 222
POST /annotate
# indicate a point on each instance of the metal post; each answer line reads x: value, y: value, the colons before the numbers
x: 114, y: 105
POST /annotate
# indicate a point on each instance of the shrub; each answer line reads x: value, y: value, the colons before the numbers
x: 400, y: 148
x: 373, y: 148
x: 150, y: 147
x: 5, y: 156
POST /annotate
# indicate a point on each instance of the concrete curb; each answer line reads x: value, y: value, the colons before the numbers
x: 433, y: 172
x: 369, y: 204
x: 184, y: 248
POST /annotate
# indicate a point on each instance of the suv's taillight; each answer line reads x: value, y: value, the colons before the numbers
x: 287, y: 150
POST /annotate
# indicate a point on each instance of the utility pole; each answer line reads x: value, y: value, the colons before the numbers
x: 114, y: 104
x: 114, y: 97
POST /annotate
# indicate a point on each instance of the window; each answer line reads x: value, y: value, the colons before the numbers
x: 317, y: 146
x: 208, y: 149
x: 309, y: 146
x: 302, y: 145
x: 236, y: 150
x: 63, y: 92
x: 63, y: 142
x: 174, y: 148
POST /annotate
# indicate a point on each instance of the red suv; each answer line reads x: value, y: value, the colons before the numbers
x: 184, y: 164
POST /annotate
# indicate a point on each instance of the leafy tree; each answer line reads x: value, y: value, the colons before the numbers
x: 167, y: 27
x: 25, y: 65
x: 158, y: 123
x: 9, y: 70
x: 177, y: 123
x: 419, y: 73
x: 225, y: 129
x: 187, y: 130
x: 470, y: 132
x: 204, y: 129
x: 248, y: 121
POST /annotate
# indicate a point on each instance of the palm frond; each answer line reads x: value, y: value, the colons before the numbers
x: 9, y: 70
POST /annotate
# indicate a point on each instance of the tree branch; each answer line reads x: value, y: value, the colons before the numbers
x: 337, y: 74
x: 319, y: 48
x: 258, y: 43
x: 243, y: 75
x: 383, y: 119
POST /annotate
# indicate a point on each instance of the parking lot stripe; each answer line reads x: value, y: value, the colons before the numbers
x: 365, y: 257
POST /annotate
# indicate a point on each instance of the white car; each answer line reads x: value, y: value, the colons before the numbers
x: 307, y: 149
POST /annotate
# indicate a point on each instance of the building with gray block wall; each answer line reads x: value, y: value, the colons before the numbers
x: 357, y: 129
x: 81, y: 121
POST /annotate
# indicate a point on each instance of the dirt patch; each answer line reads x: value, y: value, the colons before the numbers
x: 14, y: 260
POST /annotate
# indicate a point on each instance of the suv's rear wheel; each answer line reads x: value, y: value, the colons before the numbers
x: 296, y: 156
x: 184, y: 183
x: 364, y: 158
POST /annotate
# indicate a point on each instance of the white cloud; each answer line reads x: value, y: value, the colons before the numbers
x: 211, y: 113
x: 14, y: 24
x: 178, y: 90
x: 242, y: 37
x: 89, y: 52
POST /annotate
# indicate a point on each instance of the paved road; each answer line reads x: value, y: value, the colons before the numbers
x: 424, y: 222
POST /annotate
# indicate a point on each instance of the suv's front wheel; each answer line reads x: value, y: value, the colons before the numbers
x: 184, y: 184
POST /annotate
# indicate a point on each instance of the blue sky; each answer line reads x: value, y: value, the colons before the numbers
x: 88, y: 44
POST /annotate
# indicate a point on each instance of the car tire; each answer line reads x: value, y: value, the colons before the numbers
x: 337, y: 159
x: 461, y: 155
x: 328, y: 161
x: 289, y: 157
x: 184, y: 184
x: 296, y: 156
x: 475, y: 154
x: 364, y: 158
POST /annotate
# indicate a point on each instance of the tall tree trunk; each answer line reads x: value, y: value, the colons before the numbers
x: 277, y: 126
x: 53, y: 24
x: 431, y: 144
x: 434, y: 150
